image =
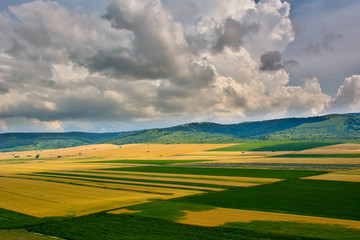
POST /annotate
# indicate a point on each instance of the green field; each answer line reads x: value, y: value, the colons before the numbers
x: 275, y: 146
x: 296, y: 196
x: 10, y: 219
x: 127, y: 226
x: 261, y: 173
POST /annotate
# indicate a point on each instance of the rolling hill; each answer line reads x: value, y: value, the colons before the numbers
x: 334, y: 127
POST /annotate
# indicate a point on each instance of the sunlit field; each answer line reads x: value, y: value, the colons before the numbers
x: 205, y: 190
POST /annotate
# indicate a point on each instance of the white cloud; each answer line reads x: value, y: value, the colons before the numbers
x: 138, y: 64
x: 348, y: 95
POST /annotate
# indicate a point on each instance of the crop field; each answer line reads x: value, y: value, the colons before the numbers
x: 182, y: 191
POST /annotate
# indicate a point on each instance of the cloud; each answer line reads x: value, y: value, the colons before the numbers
x: 231, y: 34
x: 271, y: 61
x: 159, y: 44
x: 348, y: 95
x: 136, y: 63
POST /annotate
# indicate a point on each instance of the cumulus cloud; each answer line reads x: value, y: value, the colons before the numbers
x: 348, y: 95
x: 63, y: 69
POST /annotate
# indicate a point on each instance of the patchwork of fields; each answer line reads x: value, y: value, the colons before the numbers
x: 193, y: 191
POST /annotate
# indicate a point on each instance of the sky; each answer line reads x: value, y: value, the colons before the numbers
x: 118, y: 65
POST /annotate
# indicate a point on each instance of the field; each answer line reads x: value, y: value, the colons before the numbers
x: 294, y: 190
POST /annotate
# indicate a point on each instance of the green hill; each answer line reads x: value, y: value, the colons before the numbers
x: 31, y: 141
x: 334, y: 127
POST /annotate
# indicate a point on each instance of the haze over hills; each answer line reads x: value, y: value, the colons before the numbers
x: 334, y: 127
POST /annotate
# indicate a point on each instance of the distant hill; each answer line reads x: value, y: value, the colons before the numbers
x: 31, y: 141
x: 334, y: 127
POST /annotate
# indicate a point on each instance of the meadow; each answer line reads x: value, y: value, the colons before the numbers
x: 182, y: 191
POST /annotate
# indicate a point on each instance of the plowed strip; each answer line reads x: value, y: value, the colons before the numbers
x: 144, y: 183
x: 184, y: 180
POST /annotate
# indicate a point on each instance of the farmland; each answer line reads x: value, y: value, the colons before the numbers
x: 183, y: 191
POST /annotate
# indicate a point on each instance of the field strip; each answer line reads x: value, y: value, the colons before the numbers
x: 48, y: 199
x: 182, y: 180
x: 173, y: 192
x: 193, y: 176
x: 220, y: 216
x: 137, y: 183
x: 123, y: 187
x: 336, y: 177
x: 133, y: 187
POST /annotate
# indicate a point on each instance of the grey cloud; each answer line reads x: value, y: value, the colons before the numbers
x: 271, y: 61
x: 231, y: 34
x: 117, y: 64
x: 160, y: 47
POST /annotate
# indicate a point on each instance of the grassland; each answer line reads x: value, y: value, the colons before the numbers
x: 154, y: 191
x: 136, y: 227
x: 10, y: 219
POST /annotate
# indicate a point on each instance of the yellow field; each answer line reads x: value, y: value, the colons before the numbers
x: 220, y: 216
x: 146, y: 151
x: 34, y: 166
x: 46, y: 199
x: 87, y: 150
